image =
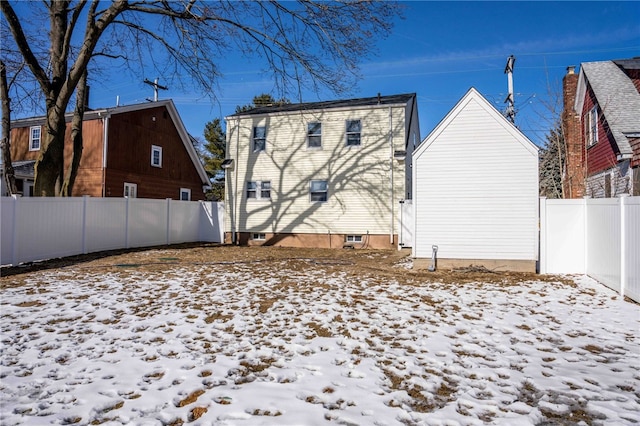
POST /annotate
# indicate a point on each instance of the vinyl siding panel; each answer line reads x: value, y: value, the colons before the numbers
x: 360, y: 199
x: 476, y: 188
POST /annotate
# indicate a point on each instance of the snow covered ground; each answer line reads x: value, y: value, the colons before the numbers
x: 308, y: 342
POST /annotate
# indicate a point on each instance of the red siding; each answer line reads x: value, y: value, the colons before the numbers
x: 131, y: 136
x: 600, y: 156
x: 635, y: 147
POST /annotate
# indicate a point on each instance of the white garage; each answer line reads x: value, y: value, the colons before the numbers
x: 476, y: 191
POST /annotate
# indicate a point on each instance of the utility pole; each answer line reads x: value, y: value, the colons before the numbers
x: 156, y: 86
x: 510, y: 113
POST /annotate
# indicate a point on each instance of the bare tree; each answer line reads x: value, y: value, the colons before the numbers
x: 8, y: 172
x: 306, y: 43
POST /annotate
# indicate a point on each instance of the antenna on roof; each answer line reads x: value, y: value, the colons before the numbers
x: 156, y: 86
x: 510, y: 113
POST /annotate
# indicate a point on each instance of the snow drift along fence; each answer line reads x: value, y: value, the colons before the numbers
x: 598, y: 237
x: 35, y: 228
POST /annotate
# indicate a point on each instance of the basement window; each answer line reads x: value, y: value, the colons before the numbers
x: 260, y: 236
x: 354, y: 238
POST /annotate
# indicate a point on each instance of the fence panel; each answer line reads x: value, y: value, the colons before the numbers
x: 7, y: 218
x: 562, y: 236
x: 603, y: 241
x: 632, y: 247
x: 106, y: 224
x: 407, y: 224
x: 45, y: 228
x: 212, y: 222
x: 184, y: 221
x: 147, y: 222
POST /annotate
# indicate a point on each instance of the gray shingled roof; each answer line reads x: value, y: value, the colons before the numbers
x: 345, y: 103
x: 618, y: 99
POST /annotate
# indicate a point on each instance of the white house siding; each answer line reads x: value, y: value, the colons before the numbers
x: 476, y: 184
x: 360, y: 198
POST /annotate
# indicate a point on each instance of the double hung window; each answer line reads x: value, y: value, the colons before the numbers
x: 592, y: 126
x: 156, y: 156
x: 259, y: 138
x: 259, y: 190
x: 314, y: 135
x: 354, y: 127
x: 35, y: 134
x: 318, y: 190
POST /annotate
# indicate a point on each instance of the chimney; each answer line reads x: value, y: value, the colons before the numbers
x: 574, y: 169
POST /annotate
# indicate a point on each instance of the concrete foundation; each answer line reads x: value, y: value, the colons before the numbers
x: 370, y: 241
x: 491, y: 264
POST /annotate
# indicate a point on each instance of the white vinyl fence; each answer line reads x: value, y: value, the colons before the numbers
x: 597, y: 237
x: 35, y: 228
x: 406, y: 224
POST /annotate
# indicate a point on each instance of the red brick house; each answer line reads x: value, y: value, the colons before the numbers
x: 601, y: 122
x: 140, y: 150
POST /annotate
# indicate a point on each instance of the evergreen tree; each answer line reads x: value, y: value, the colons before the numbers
x: 213, y: 153
x: 552, y: 163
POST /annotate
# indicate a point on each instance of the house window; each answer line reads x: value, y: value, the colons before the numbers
x: 354, y: 238
x: 353, y: 132
x: 318, y: 190
x: 185, y: 194
x: 258, y: 236
x: 259, y: 190
x: 130, y: 190
x: 314, y: 135
x: 34, y: 138
x: 259, y: 138
x: 592, y: 126
x: 156, y: 156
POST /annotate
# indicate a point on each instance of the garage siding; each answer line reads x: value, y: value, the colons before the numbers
x: 476, y: 184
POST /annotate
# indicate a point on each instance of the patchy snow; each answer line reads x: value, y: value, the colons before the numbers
x: 274, y: 344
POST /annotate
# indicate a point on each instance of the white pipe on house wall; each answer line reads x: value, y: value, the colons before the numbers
x: 105, y: 143
x: 391, y: 173
x: 236, y: 169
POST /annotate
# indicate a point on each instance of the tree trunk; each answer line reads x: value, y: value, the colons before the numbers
x: 9, y: 174
x: 49, y: 167
x: 76, y: 138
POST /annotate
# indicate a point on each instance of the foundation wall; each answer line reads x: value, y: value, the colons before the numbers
x: 491, y: 264
x: 314, y: 241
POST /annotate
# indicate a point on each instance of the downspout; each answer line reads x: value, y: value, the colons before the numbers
x: 237, y: 169
x: 105, y: 143
x: 391, y: 223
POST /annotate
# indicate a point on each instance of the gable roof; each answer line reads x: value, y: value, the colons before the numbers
x: 617, y: 97
x: 474, y: 95
x: 107, y: 112
x: 342, y: 103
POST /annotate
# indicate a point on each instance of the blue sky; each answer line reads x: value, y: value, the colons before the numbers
x: 440, y: 50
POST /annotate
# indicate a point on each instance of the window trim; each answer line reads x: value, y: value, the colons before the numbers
x: 185, y: 191
x: 314, y: 135
x: 158, y: 149
x: 134, y: 186
x: 260, y: 188
x: 348, y: 133
x: 263, y: 139
x: 325, y: 191
x: 32, y: 139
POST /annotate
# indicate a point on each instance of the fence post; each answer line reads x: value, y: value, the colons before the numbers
x: 84, y: 224
x: 585, y: 205
x: 623, y: 243
x: 126, y: 222
x: 14, y: 250
x: 168, y: 227
x: 543, y: 235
